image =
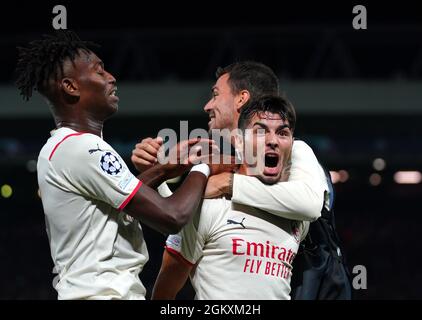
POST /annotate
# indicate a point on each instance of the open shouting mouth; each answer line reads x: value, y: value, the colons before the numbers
x: 272, y: 163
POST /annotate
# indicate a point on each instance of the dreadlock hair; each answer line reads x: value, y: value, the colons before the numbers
x: 43, y: 59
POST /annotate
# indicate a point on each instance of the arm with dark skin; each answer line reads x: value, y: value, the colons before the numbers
x: 159, y: 173
x: 168, y: 215
x: 172, y: 277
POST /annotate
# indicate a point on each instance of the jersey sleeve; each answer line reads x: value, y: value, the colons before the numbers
x: 189, y: 243
x: 89, y: 166
x: 300, y: 198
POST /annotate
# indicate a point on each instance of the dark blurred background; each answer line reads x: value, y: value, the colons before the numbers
x: 358, y: 96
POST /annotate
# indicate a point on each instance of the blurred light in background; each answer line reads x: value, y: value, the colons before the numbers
x: 344, y: 175
x: 339, y: 176
x: 335, y: 176
x: 31, y: 165
x: 379, y: 164
x: 407, y: 177
x: 6, y: 191
x: 375, y: 179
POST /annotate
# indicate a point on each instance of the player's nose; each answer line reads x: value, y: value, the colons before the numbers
x: 271, y: 140
x: 110, y: 78
x: 208, y: 106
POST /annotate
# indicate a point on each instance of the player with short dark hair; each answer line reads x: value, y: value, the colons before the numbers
x: 232, y: 251
x: 271, y: 104
x: 229, y: 95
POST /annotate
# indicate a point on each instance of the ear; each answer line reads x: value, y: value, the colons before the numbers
x: 241, y: 98
x: 70, y: 87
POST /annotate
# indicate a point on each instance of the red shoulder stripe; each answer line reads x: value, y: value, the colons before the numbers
x: 57, y: 145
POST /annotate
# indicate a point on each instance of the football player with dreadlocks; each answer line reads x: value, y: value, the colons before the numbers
x: 92, y: 202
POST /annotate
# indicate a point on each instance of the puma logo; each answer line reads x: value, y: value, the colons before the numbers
x: 230, y: 221
x: 91, y: 151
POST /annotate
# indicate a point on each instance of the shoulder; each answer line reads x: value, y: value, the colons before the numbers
x: 301, y: 146
x: 78, y: 144
x: 213, y: 206
x: 303, y: 153
x: 213, y: 212
x: 84, y: 141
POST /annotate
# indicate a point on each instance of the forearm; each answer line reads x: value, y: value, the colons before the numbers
x: 163, y: 288
x: 296, y: 200
x: 168, y: 215
x: 300, y: 198
x: 156, y: 178
x: 153, y: 177
x: 171, y: 278
x: 186, y: 199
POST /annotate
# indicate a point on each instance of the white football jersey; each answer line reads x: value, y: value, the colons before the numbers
x: 97, y: 249
x: 238, y: 252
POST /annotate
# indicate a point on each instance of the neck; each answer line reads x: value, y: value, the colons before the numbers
x: 94, y: 127
x: 243, y: 169
x: 234, y: 124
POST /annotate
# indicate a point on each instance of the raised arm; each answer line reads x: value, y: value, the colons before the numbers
x: 300, y: 198
x: 145, y: 158
x: 169, y: 215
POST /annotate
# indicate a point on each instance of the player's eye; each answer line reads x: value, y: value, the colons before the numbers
x: 284, y: 133
x: 100, y: 70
